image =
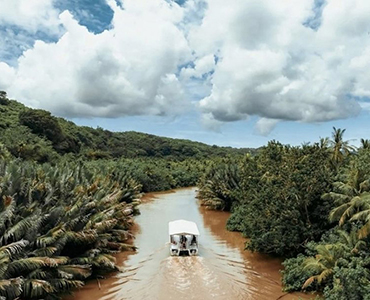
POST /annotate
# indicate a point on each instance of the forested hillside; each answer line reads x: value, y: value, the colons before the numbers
x: 35, y: 134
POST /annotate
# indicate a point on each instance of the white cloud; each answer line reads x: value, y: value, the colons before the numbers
x: 29, y: 15
x: 127, y: 70
x: 201, y: 67
x: 248, y: 58
x: 265, y: 126
x: 210, y: 123
x: 272, y: 66
x: 7, y: 76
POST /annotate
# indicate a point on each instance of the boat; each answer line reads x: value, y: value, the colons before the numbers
x: 183, y: 237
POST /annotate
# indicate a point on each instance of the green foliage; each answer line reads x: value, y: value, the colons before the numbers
x: 294, y: 273
x: 220, y: 185
x: 275, y: 196
x: 34, y: 134
x: 340, y: 148
x: 287, y: 200
x: 340, y: 264
x: 60, y: 224
x: 351, y: 281
x: 352, y: 197
x: 42, y: 123
x: 324, y: 262
x: 3, y: 99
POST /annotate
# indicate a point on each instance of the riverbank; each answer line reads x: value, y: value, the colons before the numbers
x: 223, y: 270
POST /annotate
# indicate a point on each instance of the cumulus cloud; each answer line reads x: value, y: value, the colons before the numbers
x: 23, y: 21
x: 265, y: 126
x: 127, y: 70
x: 7, y: 76
x: 209, y: 122
x: 271, y: 64
x: 30, y: 15
x: 304, y: 61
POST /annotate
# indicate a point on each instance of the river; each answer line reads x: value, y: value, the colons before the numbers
x: 223, y: 269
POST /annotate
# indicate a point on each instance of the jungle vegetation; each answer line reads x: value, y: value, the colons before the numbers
x: 68, y: 194
x: 308, y: 204
x: 60, y: 225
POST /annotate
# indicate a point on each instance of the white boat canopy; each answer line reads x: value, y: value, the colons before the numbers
x: 182, y: 227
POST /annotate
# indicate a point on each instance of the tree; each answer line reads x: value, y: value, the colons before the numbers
x: 353, y: 200
x: 59, y: 225
x: 365, y: 144
x: 340, y: 148
x: 3, y: 98
x: 323, y: 263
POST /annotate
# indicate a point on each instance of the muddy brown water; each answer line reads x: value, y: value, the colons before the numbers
x: 223, y: 269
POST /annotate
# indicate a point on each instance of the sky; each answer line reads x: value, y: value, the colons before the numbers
x: 232, y: 73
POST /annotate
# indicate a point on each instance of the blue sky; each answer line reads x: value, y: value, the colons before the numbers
x: 232, y: 74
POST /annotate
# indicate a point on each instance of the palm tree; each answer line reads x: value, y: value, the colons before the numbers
x: 365, y: 144
x: 353, y: 200
x: 324, y: 143
x: 352, y: 241
x: 60, y: 224
x: 340, y: 148
x: 350, y: 196
x: 323, y: 263
x: 220, y: 186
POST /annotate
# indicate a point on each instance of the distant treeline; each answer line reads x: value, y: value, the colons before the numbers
x: 34, y: 134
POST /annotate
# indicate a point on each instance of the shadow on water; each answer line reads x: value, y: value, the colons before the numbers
x: 223, y: 270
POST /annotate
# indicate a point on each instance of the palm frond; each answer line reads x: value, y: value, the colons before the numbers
x: 38, y: 274
x: 364, y: 231
x: 82, y: 237
x: 32, y: 263
x: 365, y: 186
x: 46, y: 251
x: 324, y: 275
x: 308, y: 282
x: 61, y: 285
x: 19, y: 230
x: 344, y: 188
x: 50, y: 237
x: 106, y: 261
x: 13, y: 248
x: 11, y: 288
x: 338, y: 212
x: 36, y: 288
x: 105, y: 226
x: 77, y: 271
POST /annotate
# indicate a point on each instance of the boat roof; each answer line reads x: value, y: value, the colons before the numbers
x: 182, y: 227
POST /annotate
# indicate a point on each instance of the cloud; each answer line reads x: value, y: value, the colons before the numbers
x: 210, y: 123
x: 304, y: 61
x: 7, y: 76
x: 265, y: 126
x: 24, y: 21
x: 29, y: 15
x: 274, y: 65
x: 127, y: 70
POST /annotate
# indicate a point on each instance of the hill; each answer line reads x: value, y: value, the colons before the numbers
x: 36, y: 134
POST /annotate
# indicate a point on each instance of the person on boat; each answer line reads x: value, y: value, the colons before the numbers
x: 183, y: 240
x: 193, y: 240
